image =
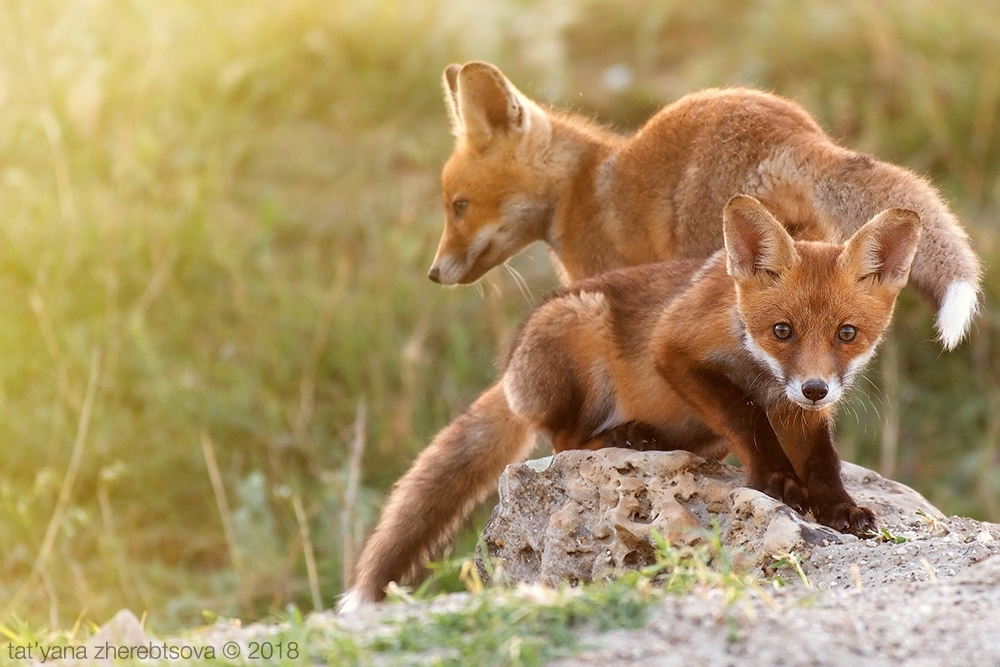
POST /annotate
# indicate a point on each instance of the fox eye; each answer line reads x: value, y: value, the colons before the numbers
x: 458, y: 207
x: 782, y: 331
x: 847, y: 333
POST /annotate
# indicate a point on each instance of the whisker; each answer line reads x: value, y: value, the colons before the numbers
x: 521, y: 284
x: 852, y: 406
x: 876, y: 410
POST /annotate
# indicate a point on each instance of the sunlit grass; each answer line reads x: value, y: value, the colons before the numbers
x: 524, y: 625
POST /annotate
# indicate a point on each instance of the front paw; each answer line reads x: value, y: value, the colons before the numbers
x: 784, y: 486
x: 847, y: 516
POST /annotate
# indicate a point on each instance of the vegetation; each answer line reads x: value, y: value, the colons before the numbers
x: 215, y: 222
x: 492, y: 626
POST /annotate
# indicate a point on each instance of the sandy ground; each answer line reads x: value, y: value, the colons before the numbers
x: 947, y: 622
x: 929, y: 602
x: 933, y: 600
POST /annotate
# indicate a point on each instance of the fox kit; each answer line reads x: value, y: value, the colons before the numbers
x: 522, y: 173
x: 747, y: 353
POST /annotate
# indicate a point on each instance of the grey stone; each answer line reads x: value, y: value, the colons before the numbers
x: 584, y: 515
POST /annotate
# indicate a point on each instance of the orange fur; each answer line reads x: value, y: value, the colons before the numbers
x: 522, y: 173
x: 677, y: 355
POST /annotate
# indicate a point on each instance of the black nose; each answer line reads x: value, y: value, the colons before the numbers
x: 814, y: 390
x: 434, y: 274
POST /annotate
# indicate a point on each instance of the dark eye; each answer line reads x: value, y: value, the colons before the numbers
x: 782, y: 331
x: 458, y: 207
x: 847, y: 333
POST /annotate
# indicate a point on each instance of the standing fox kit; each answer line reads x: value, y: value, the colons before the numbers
x: 521, y: 173
x: 747, y: 353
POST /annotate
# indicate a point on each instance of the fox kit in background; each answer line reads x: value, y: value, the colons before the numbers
x: 747, y: 353
x: 522, y: 173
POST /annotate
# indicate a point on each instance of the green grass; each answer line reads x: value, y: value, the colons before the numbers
x: 530, y: 625
x: 231, y: 207
x: 499, y: 626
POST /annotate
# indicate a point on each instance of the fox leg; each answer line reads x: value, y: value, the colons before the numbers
x: 807, y: 439
x: 743, y: 423
x: 448, y: 479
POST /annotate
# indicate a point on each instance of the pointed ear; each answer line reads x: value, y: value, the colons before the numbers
x: 883, y: 248
x: 488, y: 104
x: 449, y: 81
x: 756, y: 243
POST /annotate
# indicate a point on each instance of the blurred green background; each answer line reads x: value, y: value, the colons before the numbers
x: 216, y: 218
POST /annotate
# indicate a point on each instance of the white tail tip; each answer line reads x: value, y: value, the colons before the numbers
x: 350, y: 602
x: 959, y: 305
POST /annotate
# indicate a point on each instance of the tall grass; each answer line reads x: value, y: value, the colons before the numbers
x: 233, y: 206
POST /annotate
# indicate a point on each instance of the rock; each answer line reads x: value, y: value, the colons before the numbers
x: 582, y: 515
x: 123, y: 631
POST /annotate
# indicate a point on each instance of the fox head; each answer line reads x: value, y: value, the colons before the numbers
x: 813, y: 313
x: 494, y: 183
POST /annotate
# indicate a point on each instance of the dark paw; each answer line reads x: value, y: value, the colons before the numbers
x: 847, y: 517
x: 785, y: 487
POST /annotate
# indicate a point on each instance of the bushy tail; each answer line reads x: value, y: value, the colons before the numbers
x: 460, y: 467
x: 855, y: 187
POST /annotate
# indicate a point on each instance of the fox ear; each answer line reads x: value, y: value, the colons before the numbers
x: 883, y: 248
x: 756, y: 243
x: 488, y: 104
x: 449, y: 81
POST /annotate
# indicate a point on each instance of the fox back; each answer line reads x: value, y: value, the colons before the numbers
x: 521, y: 173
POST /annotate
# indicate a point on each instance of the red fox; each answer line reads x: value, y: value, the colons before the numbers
x: 747, y: 352
x: 522, y: 173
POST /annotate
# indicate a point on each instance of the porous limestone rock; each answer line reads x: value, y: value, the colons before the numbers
x: 583, y: 515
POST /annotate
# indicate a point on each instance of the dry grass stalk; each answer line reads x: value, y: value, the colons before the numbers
x: 351, y: 492
x: 83, y: 425
x: 307, y: 548
x: 228, y: 527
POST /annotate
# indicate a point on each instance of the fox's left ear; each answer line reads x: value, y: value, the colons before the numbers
x: 488, y: 104
x: 756, y: 243
x: 883, y: 248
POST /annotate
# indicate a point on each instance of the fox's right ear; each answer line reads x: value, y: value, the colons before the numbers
x: 883, y: 248
x: 450, y: 82
x: 487, y: 103
x: 756, y: 243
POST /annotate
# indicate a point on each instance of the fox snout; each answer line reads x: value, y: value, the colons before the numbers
x: 463, y: 267
x: 815, y: 390
x: 814, y: 393
x: 460, y: 261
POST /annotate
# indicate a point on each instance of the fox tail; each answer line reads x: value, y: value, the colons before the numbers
x: 448, y: 479
x: 945, y: 270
